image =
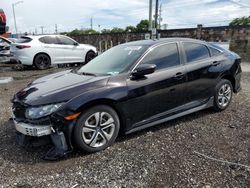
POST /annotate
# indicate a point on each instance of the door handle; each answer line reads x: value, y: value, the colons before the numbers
x: 215, y: 63
x: 179, y: 76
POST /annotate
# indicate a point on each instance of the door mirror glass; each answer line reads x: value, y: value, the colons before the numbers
x: 76, y: 44
x: 143, y: 69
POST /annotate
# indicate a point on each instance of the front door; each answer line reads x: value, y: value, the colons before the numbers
x: 164, y: 90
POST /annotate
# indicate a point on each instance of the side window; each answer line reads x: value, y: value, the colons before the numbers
x: 195, y: 51
x: 164, y: 56
x: 214, y: 52
x: 65, y: 41
x: 42, y: 40
x: 48, y: 40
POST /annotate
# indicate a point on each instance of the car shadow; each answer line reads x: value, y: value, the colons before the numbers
x: 11, y: 151
x: 168, y: 124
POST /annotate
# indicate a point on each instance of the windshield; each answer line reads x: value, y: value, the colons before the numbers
x: 114, y: 61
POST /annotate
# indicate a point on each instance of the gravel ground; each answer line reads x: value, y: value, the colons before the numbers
x: 162, y: 156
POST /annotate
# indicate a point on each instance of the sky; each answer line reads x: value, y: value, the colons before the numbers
x: 72, y: 14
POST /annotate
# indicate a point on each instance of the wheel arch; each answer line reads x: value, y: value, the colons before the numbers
x: 90, y: 50
x: 230, y: 78
x: 108, y: 102
x: 39, y: 54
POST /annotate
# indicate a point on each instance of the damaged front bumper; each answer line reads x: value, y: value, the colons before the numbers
x: 27, y: 131
x: 32, y: 130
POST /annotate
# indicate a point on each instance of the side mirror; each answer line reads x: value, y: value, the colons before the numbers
x: 76, y: 44
x: 143, y: 69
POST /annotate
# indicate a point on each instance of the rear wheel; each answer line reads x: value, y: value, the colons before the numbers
x: 223, y: 95
x: 42, y: 61
x: 96, y: 129
x: 89, y: 56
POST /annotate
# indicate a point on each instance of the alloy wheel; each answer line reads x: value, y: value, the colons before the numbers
x: 98, y: 129
x: 42, y: 62
x: 224, y: 95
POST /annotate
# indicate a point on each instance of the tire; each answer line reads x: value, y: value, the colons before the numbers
x: 42, y: 61
x: 89, y: 56
x: 89, y: 133
x: 223, y: 95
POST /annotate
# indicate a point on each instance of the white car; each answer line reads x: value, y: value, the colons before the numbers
x: 45, y: 50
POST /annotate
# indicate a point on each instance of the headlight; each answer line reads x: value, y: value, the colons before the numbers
x: 38, y: 112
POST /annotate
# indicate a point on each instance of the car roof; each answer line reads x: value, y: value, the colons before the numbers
x: 162, y: 40
x: 39, y: 36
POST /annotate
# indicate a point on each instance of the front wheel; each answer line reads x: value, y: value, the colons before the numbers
x: 223, y: 95
x: 89, y: 56
x: 96, y: 129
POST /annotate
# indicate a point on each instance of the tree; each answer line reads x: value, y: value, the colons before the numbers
x: 106, y: 31
x: 143, y: 25
x: 117, y: 30
x: 243, y: 21
x: 90, y: 31
x: 130, y: 28
x: 75, y: 32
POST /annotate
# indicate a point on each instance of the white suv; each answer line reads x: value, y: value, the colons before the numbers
x: 44, y: 50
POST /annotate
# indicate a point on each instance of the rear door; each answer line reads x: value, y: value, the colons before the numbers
x: 51, y: 45
x: 202, y: 72
x: 70, y: 49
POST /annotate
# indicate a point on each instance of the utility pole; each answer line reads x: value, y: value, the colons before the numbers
x: 56, y: 28
x: 42, y: 27
x: 150, y: 15
x: 91, y: 23
x: 156, y: 14
x: 160, y: 18
x: 14, y: 14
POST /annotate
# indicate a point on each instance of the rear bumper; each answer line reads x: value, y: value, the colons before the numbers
x: 4, y: 59
x: 23, y: 57
x: 23, y: 60
x: 237, y: 86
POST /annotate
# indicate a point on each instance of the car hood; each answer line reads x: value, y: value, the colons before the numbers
x: 59, y: 87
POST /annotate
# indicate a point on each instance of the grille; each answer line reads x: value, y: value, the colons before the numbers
x: 19, y: 110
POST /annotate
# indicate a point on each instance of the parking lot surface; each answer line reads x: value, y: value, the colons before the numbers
x: 186, y: 152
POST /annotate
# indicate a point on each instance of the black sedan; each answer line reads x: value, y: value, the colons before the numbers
x: 128, y: 88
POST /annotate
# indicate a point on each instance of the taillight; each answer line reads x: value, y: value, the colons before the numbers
x: 22, y: 46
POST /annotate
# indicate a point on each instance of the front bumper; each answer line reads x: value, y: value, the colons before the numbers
x: 51, y: 130
x: 30, y: 129
x: 33, y: 130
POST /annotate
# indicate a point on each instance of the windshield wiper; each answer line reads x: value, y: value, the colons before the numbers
x: 88, y: 74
